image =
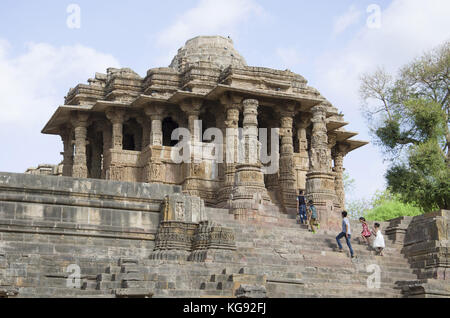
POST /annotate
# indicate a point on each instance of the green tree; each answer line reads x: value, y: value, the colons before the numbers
x: 386, y: 206
x: 409, y: 119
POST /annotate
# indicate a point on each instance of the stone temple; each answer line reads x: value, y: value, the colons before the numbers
x: 119, y: 127
x: 119, y: 217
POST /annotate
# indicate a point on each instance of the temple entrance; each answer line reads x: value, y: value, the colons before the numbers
x: 267, y: 119
x: 168, y: 126
x: 132, y: 135
x: 208, y: 120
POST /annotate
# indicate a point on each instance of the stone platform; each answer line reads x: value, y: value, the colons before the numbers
x: 113, y: 230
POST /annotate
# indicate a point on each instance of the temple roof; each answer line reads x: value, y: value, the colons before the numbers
x: 206, y: 67
x: 217, y: 50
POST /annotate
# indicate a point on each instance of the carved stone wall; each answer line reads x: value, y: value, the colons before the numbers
x: 185, y: 234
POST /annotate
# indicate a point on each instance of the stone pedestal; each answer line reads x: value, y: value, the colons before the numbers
x: 185, y: 234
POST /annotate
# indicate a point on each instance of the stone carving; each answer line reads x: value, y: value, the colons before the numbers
x: 184, y: 232
x: 211, y: 237
x: 179, y: 211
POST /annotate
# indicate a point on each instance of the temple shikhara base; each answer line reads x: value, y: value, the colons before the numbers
x: 118, y: 217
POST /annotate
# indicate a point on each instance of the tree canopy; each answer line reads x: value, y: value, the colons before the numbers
x: 409, y: 119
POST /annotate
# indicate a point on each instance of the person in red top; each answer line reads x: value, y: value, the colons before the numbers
x: 366, y: 234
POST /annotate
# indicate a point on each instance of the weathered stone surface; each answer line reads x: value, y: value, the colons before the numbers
x: 251, y: 291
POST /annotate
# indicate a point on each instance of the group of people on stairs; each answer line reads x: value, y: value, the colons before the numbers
x: 307, y: 214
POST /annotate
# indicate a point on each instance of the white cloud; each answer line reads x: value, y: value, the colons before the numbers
x: 288, y: 57
x: 346, y: 20
x: 209, y: 17
x: 409, y: 28
x: 34, y: 83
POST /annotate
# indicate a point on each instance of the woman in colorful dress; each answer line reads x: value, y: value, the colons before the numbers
x: 366, y: 232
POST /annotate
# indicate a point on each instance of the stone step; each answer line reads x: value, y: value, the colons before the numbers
x: 108, y: 285
x: 105, y: 277
x: 131, y: 268
x: 220, y: 278
x: 113, y: 269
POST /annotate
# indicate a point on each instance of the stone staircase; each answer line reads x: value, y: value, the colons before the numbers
x: 277, y: 255
x: 274, y: 255
x: 298, y: 263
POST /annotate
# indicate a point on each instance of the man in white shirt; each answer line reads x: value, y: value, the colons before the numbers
x: 347, y: 233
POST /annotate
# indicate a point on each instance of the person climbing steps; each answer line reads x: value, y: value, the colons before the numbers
x: 346, y: 232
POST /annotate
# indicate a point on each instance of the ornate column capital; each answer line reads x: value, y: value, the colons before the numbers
x: 155, y: 111
x: 192, y: 106
x: 142, y: 120
x: 231, y: 101
x: 290, y: 107
x: 65, y: 131
x: 116, y: 116
x: 250, y: 112
x: 342, y: 149
x: 304, y: 120
x: 80, y: 119
x: 332, y: 140
x: 319, y: 110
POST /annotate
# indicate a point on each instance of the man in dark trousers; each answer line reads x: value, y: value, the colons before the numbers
x: 301, y: 207
x: 347, y: 233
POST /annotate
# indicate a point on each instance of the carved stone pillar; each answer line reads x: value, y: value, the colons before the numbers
x: 320, y: 185
x: 249, y: 193
x: 117, y: 118
x: 340, y: 152
x: 155, y: 112
x: 66, y: 136
x: 96, y: 159
x: 303, y: 168
x: 232, y: 106
x: 331, y: 146
x: 192, y: 109
x: 80, y: 124
x: 155, y: 168
x: 145, y: 123
x: 287, y: 178
x: 193, y: 169
x: 107, y: 145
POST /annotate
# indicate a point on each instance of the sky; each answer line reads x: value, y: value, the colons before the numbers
x: 47, y: 47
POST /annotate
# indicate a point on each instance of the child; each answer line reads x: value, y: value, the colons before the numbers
x: 366, y: 232
x: 378, y: 243
x: 312, y: 216
x: 301, y: 207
